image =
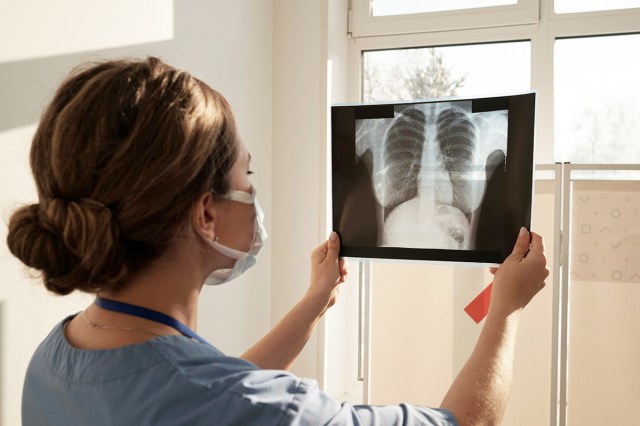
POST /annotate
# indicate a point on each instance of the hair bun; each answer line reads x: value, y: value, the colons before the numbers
x: 140, y: 135
x: 74, y: 243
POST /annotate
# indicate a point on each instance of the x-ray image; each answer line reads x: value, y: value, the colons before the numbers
x: 430, y: 168
x: 430, y: 180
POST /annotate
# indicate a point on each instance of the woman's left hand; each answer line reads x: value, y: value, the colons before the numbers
x: 328, y: 271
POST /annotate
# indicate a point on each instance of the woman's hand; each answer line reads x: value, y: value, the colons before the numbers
x: 521, y: 276
x: 328, y: 271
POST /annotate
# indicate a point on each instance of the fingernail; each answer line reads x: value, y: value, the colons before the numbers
x: 523, y: 232
x: 333, y: 236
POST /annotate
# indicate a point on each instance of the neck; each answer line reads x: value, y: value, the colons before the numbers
x: 165, y: 287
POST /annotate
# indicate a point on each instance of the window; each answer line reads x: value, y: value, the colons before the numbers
x: 379, y: 17
x: 597, y: 99
x: 571, y: 6
x: 581, y: 57
x: 582, y: 66
x: 464, y: 70
x: 402, y: 7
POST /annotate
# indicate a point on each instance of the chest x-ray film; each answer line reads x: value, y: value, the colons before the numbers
x: 441, y: 180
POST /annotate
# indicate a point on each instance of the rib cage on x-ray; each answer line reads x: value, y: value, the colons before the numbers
x: 402, y: 157
x: 430, y: 170
x: 457, y: 137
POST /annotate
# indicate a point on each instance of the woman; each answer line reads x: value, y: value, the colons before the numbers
x: 144, y: 196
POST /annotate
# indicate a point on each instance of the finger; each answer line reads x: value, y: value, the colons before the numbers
x: 521, y: 247
x: 320, y: 253
x: 493, y: 270
x: 333, y: 247
x: 537, y: 243
x: 344, y: 269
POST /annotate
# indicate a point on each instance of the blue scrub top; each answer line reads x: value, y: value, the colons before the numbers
x: 174, y: 380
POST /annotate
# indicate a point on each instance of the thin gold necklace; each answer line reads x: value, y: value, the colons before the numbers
x: 113, y: 327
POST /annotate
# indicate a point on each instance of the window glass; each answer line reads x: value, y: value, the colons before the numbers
x: 402, y: 7
x: 570, y: 6
x: 466, y: 70
x: 597, y: 100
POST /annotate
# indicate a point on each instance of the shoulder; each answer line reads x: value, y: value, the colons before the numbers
x: 167, y: 380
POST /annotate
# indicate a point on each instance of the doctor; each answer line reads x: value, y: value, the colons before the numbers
x: 144, y: 197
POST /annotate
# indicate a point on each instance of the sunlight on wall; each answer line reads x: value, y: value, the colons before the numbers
x: 42, y: 28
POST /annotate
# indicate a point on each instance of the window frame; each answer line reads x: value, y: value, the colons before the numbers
x: 365, y: 24
x: 542, y: 35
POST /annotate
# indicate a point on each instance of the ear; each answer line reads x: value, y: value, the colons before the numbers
x: 203, y: 216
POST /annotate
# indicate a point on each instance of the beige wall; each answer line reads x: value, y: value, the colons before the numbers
x: 338, y: 336
x: 71, y: 26
x: 29, y: 312
x: 310, y: 72
x: 299, y: 221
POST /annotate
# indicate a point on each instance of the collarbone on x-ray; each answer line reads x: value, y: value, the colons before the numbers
x: 431, y: 163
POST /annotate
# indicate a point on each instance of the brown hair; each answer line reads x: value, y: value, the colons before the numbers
x: 121, y: 154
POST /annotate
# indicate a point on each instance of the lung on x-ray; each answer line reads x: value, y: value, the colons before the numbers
x: 439, y: 179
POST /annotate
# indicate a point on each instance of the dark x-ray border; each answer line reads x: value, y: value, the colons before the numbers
x: 518, y: 178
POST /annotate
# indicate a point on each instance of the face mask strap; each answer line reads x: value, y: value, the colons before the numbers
x: 228, y: 251
x: 241, y: 196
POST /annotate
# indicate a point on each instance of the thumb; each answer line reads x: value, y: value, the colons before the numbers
x: 334, y: 247
x: 521, y: 247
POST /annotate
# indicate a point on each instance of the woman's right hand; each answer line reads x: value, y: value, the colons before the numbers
x: 521, y: 276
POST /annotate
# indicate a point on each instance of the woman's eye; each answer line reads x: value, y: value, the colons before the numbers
x: 249, y: 172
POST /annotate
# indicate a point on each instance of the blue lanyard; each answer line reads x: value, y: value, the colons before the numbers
x: 139, y: 311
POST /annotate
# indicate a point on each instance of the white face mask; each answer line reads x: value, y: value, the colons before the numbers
x: 243, y: 260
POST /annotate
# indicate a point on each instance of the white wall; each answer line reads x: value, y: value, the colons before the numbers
x: 226, y: 44
x: 28, y: 311
x: 299, y: 138
x: 229, y: 46
x: 47, y: 28
x: 339, y: 335
x: 310, y: 73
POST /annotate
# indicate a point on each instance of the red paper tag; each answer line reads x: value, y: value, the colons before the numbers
x: 479, y: 306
